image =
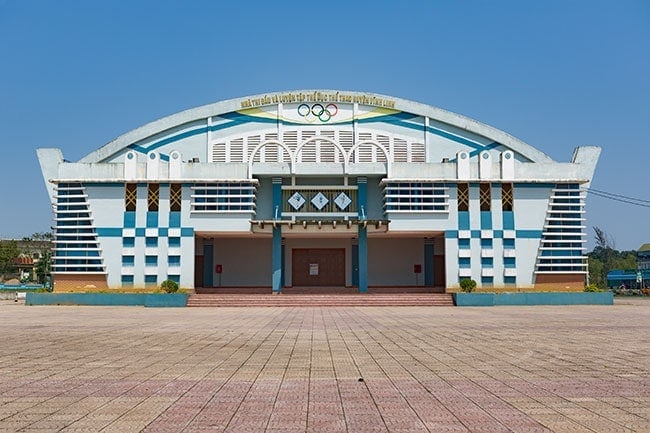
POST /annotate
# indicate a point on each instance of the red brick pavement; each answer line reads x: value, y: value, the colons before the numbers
x: 326, y: 369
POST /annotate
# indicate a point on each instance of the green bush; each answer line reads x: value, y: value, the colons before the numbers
x: 467, y: 285
x: 169, y: 286
x: 592, y: 288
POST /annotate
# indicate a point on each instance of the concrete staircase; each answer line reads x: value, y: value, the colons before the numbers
x: 321, y: 300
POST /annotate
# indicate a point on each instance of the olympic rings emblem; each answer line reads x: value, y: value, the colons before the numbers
x: 317, y: 111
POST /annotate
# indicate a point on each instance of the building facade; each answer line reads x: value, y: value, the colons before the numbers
x: 318, y: 188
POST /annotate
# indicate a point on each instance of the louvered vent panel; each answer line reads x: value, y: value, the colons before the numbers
x: 251, y: 143
x: 400, y: 150
x: 219, y: 152
x: 346, y: 139
x: 237, y: 150
x: 308, y: 152
x: 290, y: 138
x: 328, y: 152
x: 418, y: 153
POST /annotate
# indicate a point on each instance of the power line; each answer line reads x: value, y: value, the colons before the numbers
x: 618, y: 195
x: 620, y: 198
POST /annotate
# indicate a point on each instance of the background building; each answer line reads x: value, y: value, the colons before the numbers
x: 319, y: 188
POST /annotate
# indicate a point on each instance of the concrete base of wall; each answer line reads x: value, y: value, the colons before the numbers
x: 559, y: 282
x: 533, y: 298
x: 79, y: 282
x: 109, y: 299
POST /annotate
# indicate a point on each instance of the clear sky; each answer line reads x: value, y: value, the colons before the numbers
x: 554, y: 73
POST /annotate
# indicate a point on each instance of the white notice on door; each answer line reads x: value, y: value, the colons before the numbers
x: 313, y: 269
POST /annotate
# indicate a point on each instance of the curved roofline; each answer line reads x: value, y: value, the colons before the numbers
x: 230, y: 105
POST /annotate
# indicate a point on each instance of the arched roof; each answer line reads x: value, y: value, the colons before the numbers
x: 233, y: 105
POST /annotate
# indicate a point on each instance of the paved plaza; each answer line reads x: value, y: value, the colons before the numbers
x: 326, y: 369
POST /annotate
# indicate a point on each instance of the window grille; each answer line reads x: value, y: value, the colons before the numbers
x: 506, y: 197
x: 153, y: 193
x: 175, y: 197
x: 418, y: 197
x: 130, y: 197
x: 485, y: 196
x: 463, y: 197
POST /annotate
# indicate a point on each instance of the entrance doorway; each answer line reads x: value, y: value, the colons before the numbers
x: 318, y: 267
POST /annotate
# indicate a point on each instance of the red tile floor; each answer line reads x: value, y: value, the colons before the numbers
x: 326, y: 369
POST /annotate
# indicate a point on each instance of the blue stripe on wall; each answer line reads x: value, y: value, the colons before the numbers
x: 109, y: 232
x: 463, y: 220
x: 476, y: 234
x: 508, y: 220
x: 529, y: 234
x: 129, y: 219
x: 152, y: 219
x: 486, y: 220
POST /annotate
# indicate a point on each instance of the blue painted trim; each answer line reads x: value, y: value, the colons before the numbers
x: 208, y: 260
x: 174, y: 219
x: 168, y: 140
x: 486, y: 220
x: 355, y: 265
x: 108, y: 299
x: 109, y: 232
x: 152, y: 219
x: 276, y: 253
x: 533, y: 298
x: 463, y: 220
x: 363, y: 259
x: 528, y: 234
x: 129, y: 219
x: 497, y: 234
x: 508, y: 220
x: 451, y: 234
x: 476, y: 234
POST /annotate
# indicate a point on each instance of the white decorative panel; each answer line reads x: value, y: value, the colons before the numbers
x: 507, y: 165
x: 175, y: 161
x: 485, y: 165
x: 462, y: 164
x: 130, y: 165
x: 153, y: 166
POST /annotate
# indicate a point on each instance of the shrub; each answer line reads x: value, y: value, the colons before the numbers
x: 169, y: 286
x: 592, y: 288
x: 467, y: 285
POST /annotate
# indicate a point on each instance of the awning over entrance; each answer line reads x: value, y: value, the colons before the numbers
x: 316, y: 226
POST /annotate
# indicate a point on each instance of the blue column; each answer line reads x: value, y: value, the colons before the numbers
x: 276, y: 253
x: 362, y: 184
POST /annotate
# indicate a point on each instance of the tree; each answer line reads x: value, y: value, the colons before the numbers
x: 8, y: 252
x: 605, y: 258
x: 41, y: 243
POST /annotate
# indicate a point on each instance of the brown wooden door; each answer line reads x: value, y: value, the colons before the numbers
x: 198, y: 271
x: 439, y: 271
x: 318, y: 267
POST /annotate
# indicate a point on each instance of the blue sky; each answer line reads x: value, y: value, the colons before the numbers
x: 556, y: 74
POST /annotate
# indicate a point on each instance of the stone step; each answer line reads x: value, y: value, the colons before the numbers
x: 298, y: 300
